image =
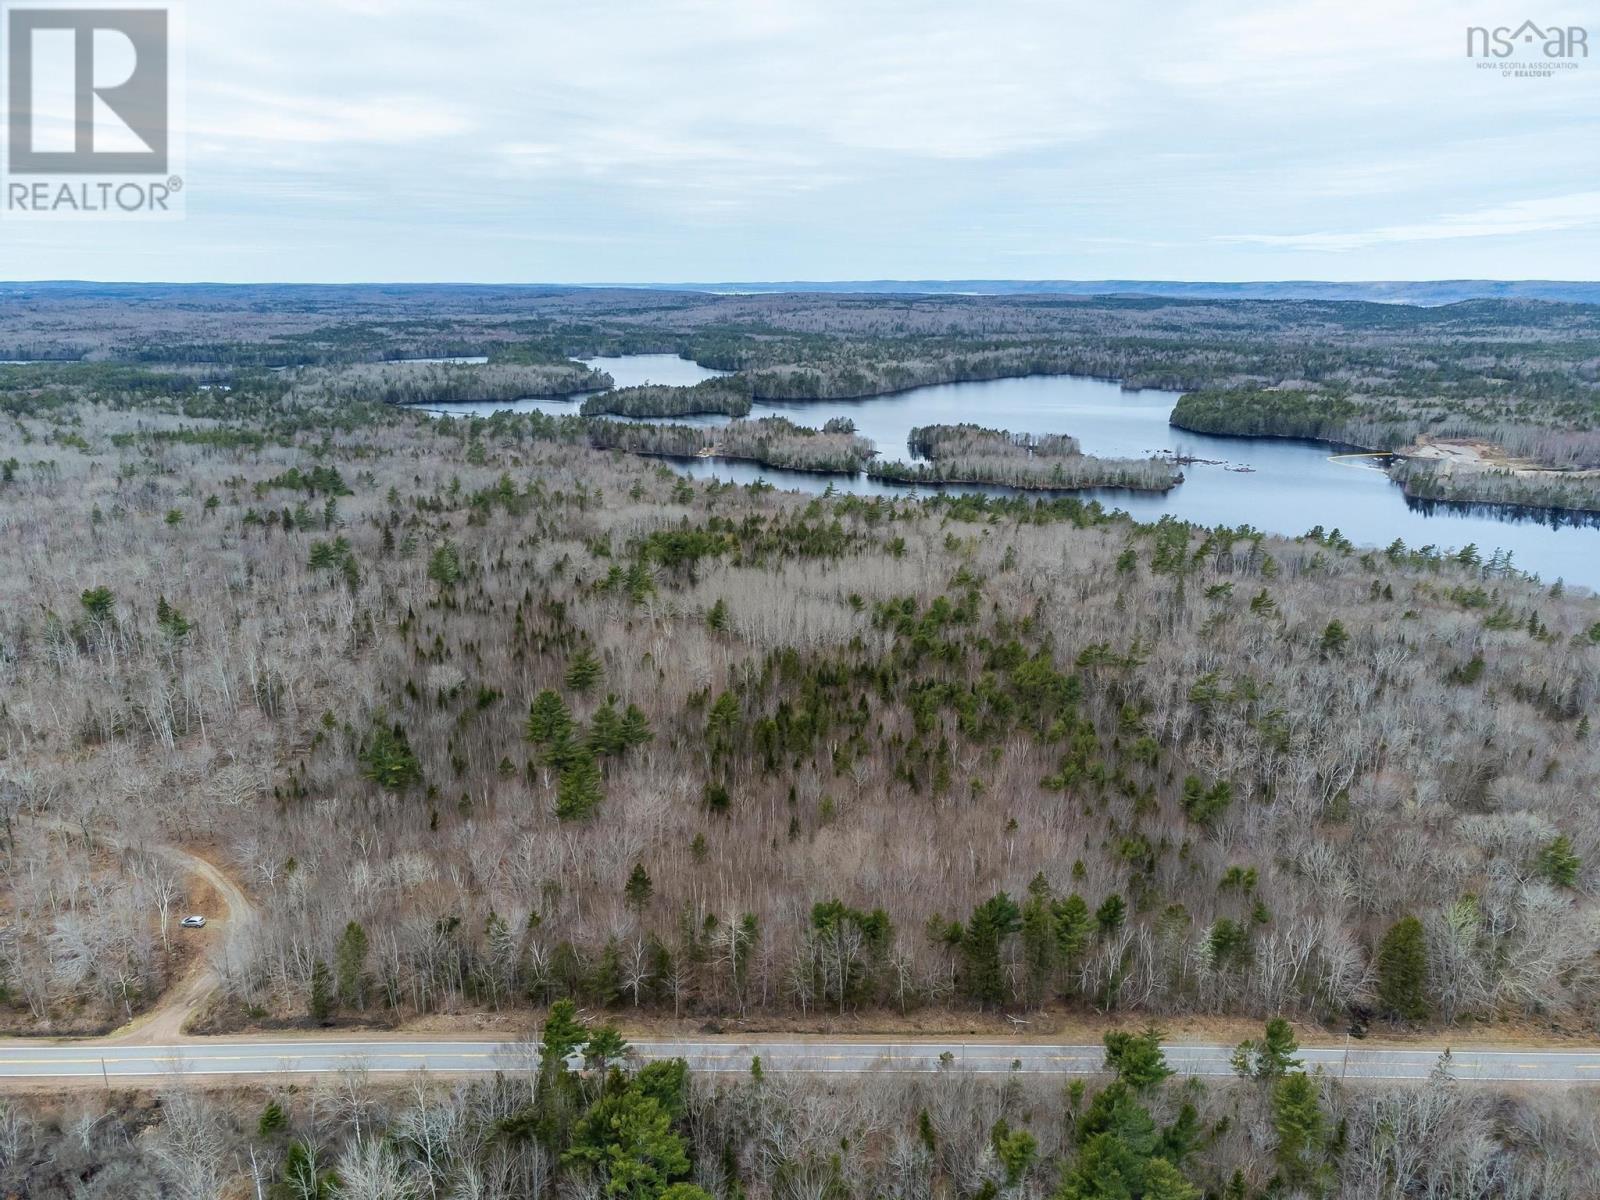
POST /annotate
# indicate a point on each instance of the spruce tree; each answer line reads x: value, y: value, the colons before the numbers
x: 1558, y: 864
x: 1298, y: 1121
x: 996, y: 919
x: 548, y: 719
x: 320, y: 1005
x: 1403, y: 971
x: 635, y: 728
x: 1041, y: 945
x: 1272, y: 1056
x: 1111, y: 913
x: 1073, y: 926
x: 578, y: 793
x: 350, y: 960
x: 639, y: 888
x: 584, y: 671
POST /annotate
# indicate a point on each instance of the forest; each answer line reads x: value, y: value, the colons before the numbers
x: 444, y: 383
x: 483, y: 718
x: 1518, y: 374
x: 491, y: 720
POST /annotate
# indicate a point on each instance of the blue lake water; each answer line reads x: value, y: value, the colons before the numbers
x: 1290, y: 486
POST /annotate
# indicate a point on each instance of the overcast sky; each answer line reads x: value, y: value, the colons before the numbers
x: 670, y: 140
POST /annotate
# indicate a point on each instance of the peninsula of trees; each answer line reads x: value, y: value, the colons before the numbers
x: 771, y: 441
x: 1049, y: 462
x: 728, y: 396
x: 1555, y: 437
x: 444, y: 383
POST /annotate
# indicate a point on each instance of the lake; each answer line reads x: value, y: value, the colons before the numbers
x: 1290, y: 486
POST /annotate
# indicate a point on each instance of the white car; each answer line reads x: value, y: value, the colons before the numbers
x: 194, y: 922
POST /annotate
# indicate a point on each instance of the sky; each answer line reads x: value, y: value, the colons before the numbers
x: 722, y: 140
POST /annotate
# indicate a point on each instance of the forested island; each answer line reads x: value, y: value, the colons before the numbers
x: 1051, y: 462
x: 771, y: 441
x: 728, y: 396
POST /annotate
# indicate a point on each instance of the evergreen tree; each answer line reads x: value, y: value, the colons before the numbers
x: 302, y: 1178
x: 1163, y: 1181
x: 350, y: 961
x: 320, y: 1005
x: 99, y: 603
x: 1016, y: 1150
x: 639, y: 888
x: 387, y: 759
x: 627, y: 1139
x: 1041, y: 943
x: 583, y: 671
x: 444, y: 567
x: 548, y: 719
x: 1297, y: 1119
x: 1203, y: 805
x: 561, y: 1036
x: 1334, y: 638
x: 722, y: 725
x: 1137, y: 1058
x: 1558, y: 864
x: 1117, y: 1142
x: 272, y: 1119
x: 1403, y: 971
x: 1073, y: 927
x: 605, y: 731
x: 170, y: 621
x: 604, y: 1048
x: 1272, y: 1056
x: 993, y: 921
x: 565, y: 749
x: 635, y: 728
x: 1111, y: 913
x: 578, y: 793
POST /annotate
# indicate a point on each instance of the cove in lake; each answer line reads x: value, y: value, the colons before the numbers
x: 1290, y: 486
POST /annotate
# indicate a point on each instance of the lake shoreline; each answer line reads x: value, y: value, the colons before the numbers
x: 1281, y: 484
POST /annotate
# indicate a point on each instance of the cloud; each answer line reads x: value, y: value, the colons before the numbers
x: 261, y: 115
x: 1546, y: 215
x: 752, y: 139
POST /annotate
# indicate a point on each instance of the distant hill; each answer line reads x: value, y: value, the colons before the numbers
x: 1425, y: 292
x: 1419, y: 292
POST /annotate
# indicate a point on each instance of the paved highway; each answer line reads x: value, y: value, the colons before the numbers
x: 89, y: 1061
